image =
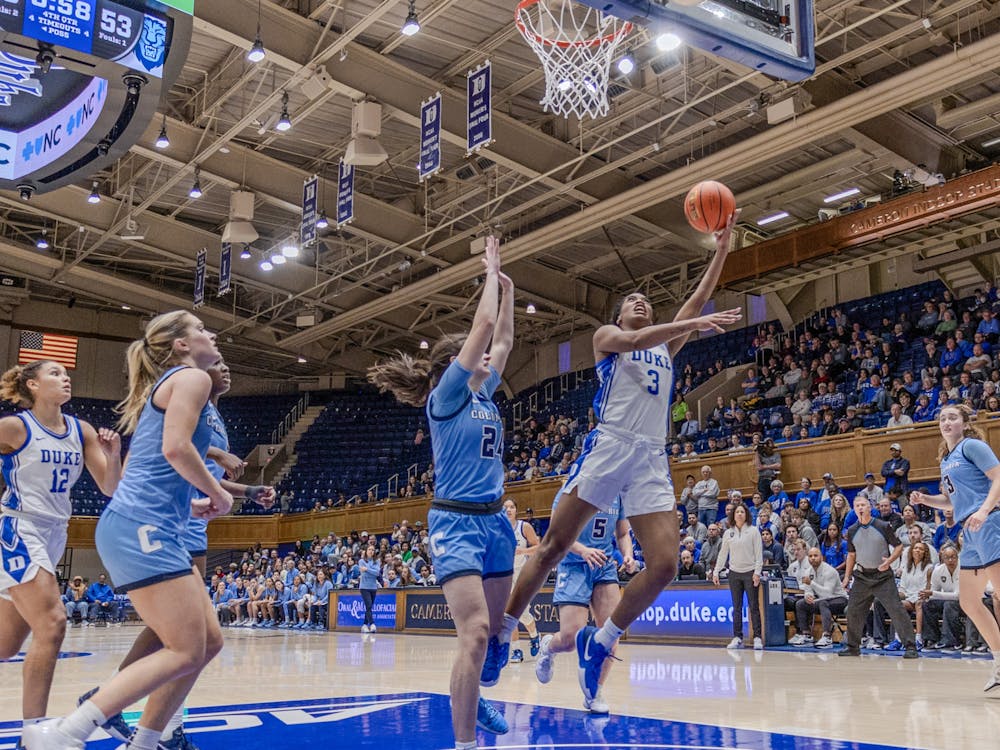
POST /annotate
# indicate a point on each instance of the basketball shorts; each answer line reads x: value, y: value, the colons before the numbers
x: 139, y: 554
x: 196, y: 537
x: 463, y: 544
x: 613, y: 463
x: 575, y: 581
x: 27, y: 546
x: 981, y: 548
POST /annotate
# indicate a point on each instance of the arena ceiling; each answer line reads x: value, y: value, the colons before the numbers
x: 586, y: 211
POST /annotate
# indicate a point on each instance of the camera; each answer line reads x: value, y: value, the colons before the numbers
x: 26, y: 191
x: 133, y: 83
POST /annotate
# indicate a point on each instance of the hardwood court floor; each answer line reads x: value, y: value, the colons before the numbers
x: 660, y: 696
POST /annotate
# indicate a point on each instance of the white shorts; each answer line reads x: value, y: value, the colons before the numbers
x: 27, y: 547
x: 613, y: 464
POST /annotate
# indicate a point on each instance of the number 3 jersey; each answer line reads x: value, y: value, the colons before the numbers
x: 466, y: 438
x: 634, y: 395
x: 40, y: 474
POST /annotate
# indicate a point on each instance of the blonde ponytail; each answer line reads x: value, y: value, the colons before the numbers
x: 410, y: 379
x: 14, y: 383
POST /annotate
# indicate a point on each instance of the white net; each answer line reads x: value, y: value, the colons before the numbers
x: 576, y: 45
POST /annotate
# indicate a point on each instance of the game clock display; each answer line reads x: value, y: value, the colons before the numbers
x: 112, y: 31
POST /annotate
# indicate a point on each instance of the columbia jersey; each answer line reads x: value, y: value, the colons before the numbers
x: 634, y: 395
x: 218, y: 439
x: 466, y: 438
x: 963, y: 475
x: 599, y: 532
x: 40, y: 474
x: 151, y: 491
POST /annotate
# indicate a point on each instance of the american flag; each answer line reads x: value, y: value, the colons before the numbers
x: 35, y: 346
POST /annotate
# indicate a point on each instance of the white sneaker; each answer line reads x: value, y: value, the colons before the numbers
x: 991, y: 684
x: 372, y: 628
x: 758, y: 644
x: 46, y: 735
x: 364, y: 629
x: 597, y: 705
x: 824, y: 642
x: 544, y: 665
x: 737, y: 642
x: 868, y: 642
x: 801, y: 639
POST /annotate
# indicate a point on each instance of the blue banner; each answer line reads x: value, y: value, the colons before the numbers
x: 199, y: 277
x: 310, y: 201
x: 688, y: 613
x: 345, y: 194
x: 480, y: 112
x: 351, y: 610
x: 225, y: 269
x: 430, y: 138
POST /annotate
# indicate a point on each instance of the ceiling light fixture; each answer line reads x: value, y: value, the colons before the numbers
x: 245, y: 254
x: 668, y: 42
x: 95, y: 194
x: 411, y: 25
x: 195, y: 191
x: 626, y: 63
x: 773, y: 218
x: 530, y: 308
x: 841, y: 195
x: 301, y: 360
x: 265, y: 265
x: 257, y: 51
x: 290, y: 249
x: 991, y: 142
x: 322, y: 222
x: 278, y: 259
x: 424, y: 346
x: 284, y: 123
x: 42, y: 243
x: 162, y: 141
x: 126, y: 307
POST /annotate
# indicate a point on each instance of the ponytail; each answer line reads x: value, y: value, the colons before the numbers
x: 147, y: 359
x: 410, y: 379
x: 14, y: 383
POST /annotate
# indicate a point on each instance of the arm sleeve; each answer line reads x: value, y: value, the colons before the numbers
x: 980, y: 454
x: 451, y: 392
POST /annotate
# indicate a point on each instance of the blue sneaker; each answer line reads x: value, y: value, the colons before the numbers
x: 496, y: 659
x: 489, y: 719
x: 116, y: 725
x: 895, y: 645
x: 516, y: 656
x: 536, y: 644
x: 178, y: 741
x: 591, y: 655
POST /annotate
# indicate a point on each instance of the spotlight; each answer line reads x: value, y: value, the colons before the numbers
x: 42, y: 243
x: 626, y: 63
x: 257, y: 51
x: 265, y: 265
x: 284, y: 122
x: 278, y: 259
x: 126, y: 307
x: 290, y: 249
x: 322, y: 222
x: 95, y: 195
x: 411, y: 25
x: 530, y: 308
x: 195, y: 191
x: 301, y: 360
x: 668, y: 42
x: 424, y: 346
x: 161, y: 140
x: 246, y: 254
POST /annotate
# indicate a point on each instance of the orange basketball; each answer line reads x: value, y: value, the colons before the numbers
x: 708, y: 206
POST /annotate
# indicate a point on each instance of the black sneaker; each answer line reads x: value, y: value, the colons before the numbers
x: 116, y: 725
x: 911, y: 652
x: 849, y: 651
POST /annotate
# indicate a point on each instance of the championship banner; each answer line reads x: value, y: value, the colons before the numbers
x: 480, y: 112
x: 430, y: 138
x: 345, y: 194
x: 199, y: 278
x: 310, y: 202
x: 225, y: 269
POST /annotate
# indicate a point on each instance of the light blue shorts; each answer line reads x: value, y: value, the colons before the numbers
x: 575, y: 581
x: 465, y: 544
x: 139, y: 554
x: 981, y: 548
x: 196, y: 537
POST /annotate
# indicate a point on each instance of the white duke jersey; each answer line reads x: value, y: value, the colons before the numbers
x: 634, y: 395
x: 40, y: 474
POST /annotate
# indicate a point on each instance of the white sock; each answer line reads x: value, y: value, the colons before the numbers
x: 175, y: 721
x: 608, y: 634
x: 38, y: 720
x: 508, y: 628
x: 996, y: 659
x: 143, y: 739
x: 466, y: 745
x: 83, y: 722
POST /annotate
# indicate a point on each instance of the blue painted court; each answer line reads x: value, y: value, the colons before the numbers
x: 421, y: 721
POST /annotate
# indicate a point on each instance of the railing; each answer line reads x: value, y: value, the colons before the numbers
x: 550, y: 390
x: 286, y: 424
x: 411, y: 472
x: 391, y: 486
x: 372, y: 489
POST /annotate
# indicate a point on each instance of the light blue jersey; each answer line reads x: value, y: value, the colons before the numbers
x: 196, y: 536
x: 466, y: 437
x: 151, y: 491
x: 599, y: 533
x: 963, y: 475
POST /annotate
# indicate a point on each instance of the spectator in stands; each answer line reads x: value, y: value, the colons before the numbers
x: 871, y: 491
x: 802, y: 406
x: 951, y: 358
x: 924, y: 411
x: 750, y: 386
x: 834, y: 547
x: 940, y: 603
x: 806, y: 491
x: 101, y: 598
x: 979, y: 363
x: 690, y: 427
x: 988, y: 326
x: 897, y: 418
x: 220, y: 600
x: 705, y: 497
x: 887, y: 514
x: 687, y: 499
x: 778, y: 497
x: 798, y: 565
x: 688, y: 569
x: 910, y: 521
x: 774, y: 553
x: 948, y: 531
x: 767, y: 463
x: 811, y: 517
x: 914, y: 577
x: 791, y: 537
x: 896, y: 469
x: 928, y: 320
x: 816, y: 427
x: 823, y: 592
x: 698, y: 531
x: 711, y: 547
x: 75, y: 599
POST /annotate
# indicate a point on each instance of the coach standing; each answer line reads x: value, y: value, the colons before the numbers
x: 872, y: 547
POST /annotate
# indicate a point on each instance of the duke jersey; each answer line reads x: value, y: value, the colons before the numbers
x: 963, y: 476
x: 151, y: 491
x: 634, y: 392
x: 40, y: 474
x: 522, y: 543
x: 600, y: 531
x: 466, y: 438
x: 218, y: 439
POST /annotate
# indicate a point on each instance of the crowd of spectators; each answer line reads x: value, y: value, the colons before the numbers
x: 87, y: 605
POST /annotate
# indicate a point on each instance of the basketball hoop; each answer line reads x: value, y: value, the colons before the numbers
x: 575, y: 44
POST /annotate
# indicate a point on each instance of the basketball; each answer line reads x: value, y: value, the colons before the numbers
x: 708, y: 206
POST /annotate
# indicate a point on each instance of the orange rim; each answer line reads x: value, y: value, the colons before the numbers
x: 525, y: 4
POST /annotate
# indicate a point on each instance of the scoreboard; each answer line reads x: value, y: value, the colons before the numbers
x: 79, y: 82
